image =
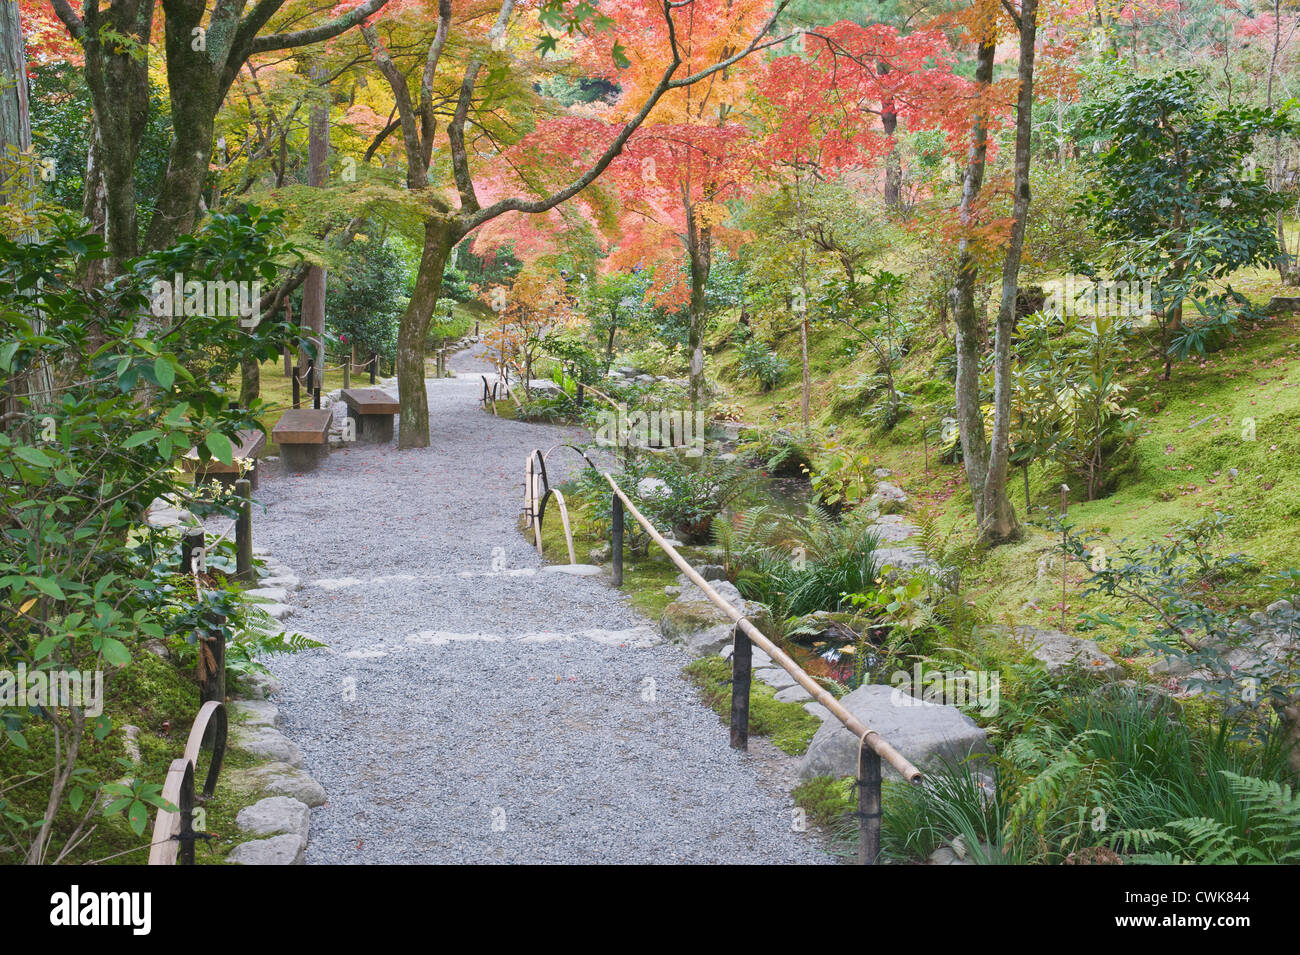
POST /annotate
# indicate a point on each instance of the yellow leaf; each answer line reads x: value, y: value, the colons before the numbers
x: 27, y: 606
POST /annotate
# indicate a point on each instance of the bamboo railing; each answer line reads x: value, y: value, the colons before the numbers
x: 872, y: 747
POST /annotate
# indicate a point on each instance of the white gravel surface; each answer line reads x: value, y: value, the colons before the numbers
x: 472, y: 707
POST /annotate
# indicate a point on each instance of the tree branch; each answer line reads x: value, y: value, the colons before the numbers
x: 326, y: 31
x: 456, y: 131
x: 69, y: 18
x: 428, y: 122
x: 666, y: 83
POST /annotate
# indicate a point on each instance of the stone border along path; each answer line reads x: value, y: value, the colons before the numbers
x: 474, y: 705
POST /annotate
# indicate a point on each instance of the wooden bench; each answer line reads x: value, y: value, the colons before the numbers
x: 303, y: 436
x: 372, y: 412
x: 247, y: 448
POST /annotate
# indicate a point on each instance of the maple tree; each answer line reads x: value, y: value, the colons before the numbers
x: 537, y: 305
x: 820, y: 111
x: 689, y: 158
x: 647, y: 68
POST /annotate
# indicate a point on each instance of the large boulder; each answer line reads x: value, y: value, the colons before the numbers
x: 693, y: 620
x: 893, y: 528
x: 903, y: 561
x: 928, y: 734
x: 1059, y: 651
x: 544, y: 386
x: 255, y: 712
x: 889, y: 498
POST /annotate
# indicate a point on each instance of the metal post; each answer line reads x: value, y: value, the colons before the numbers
x: 616, y: 541
x: 741, y: 659
x: 296, y: 397
x: 868, y: 805
x: 191, y: 542
x: 185, y: 854
x: 244, y: 532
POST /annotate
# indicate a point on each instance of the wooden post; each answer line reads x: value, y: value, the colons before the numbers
x: 244, y: 532
x: 212, y: 671
x: 925, y: 437
x: 741, y: 665
x: 616, y: 541
x: 1065, y: 509
x: 296, y: 396
x: 581, y: 394
x: 868, y: 805
x: 374, y: 362
x: 347, y: 371
x: 191, y: 543
x: 311, y: 383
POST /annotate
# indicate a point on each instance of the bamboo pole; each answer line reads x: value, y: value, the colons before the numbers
x: 868, y: 736
x: 564, y: 519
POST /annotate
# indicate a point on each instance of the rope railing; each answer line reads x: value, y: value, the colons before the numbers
x: 872, y: 747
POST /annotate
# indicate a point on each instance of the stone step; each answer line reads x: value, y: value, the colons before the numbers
x: 635, y: 638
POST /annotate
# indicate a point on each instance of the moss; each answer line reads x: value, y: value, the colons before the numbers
x: 788, y: 725
x: 826, y: 800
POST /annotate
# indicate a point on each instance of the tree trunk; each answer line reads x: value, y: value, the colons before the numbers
x: 439, y: 239
x: 805, y: 391
x: 250, y: 382
x: 893, y: 164
x: 313, y: 288
x: 118, y: 78
x: 15, y: 128
x: 1000, y: 523
x: 699, y: 246
x: 970, y: 419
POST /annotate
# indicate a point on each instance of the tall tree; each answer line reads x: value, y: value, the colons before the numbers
x: 998, y: 521
x: 660, y: 56
x: 983, y: 456
x: 820, y: 116
x: 204, y: 50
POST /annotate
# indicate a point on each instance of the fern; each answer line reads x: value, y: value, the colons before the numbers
x: 1270, y: 836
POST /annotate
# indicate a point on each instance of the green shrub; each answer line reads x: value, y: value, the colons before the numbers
x: 760, y: 362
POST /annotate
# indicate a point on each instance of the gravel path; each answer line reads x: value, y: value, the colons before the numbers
x: 501, y: 712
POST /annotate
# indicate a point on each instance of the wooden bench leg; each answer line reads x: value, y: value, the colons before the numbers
x: 373, y: 428
x: 302, y: 457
